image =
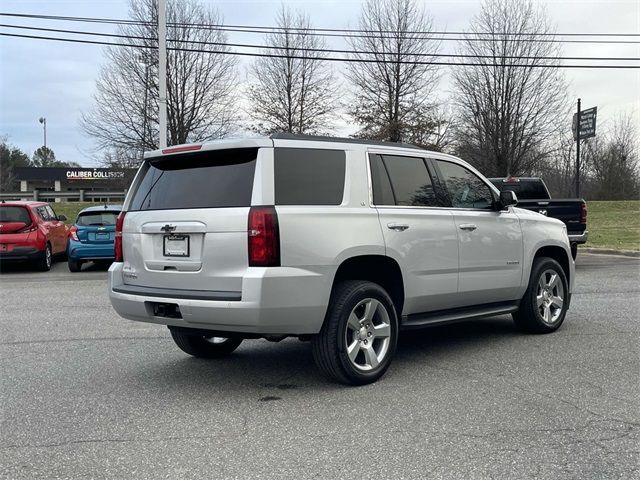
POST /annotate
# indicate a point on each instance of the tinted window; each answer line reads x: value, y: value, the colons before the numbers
x: 14, y: 214
x: 382, y: 192
x: 97, y: 218
x: 466, y: 189
x: 52, y: 214
x: 216, y: 178
x: 44, y: 214
x: 308, y: 177
x: 524, y: 189
x: 410, y: 181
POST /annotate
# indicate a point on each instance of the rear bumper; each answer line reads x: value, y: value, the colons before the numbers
x: 21, y: 254
x: 273, y: 301
x: 579, y: 237
x: 82, y: 251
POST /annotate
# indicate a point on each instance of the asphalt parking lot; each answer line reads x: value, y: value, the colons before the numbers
x: 84, y: 393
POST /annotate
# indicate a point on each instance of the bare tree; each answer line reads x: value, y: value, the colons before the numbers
x: 294, y: 92
x: 199, y: 83
x: 431, y: 128
x: 392, y: 93
x: 510, y: 105
x: 614, y: 160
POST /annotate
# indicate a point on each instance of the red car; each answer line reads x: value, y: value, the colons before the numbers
x: 31, y: 231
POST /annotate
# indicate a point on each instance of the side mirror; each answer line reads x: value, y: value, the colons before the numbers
x: 62, y: 218
x: 507, y: 198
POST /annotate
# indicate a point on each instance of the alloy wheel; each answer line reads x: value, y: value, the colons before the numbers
x: 550, y: 296
x: 367, y: 336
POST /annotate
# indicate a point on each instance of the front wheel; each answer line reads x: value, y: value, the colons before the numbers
x: 574, y: 250
x: 544, y: 305
x: 44, y: 263
x: 359, y: 334
x: 205, y: 347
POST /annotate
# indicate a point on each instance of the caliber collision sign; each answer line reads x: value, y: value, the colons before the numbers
x: 587, y: 123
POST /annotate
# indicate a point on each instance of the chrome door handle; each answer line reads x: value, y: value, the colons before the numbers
x: 470, y: 227
x: 398, y: 227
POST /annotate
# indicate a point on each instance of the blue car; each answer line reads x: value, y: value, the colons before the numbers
x: 92, y: 236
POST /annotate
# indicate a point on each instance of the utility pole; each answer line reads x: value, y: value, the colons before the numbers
x: 43, y: 121
x: 578, y: 151
x: 162, y: 70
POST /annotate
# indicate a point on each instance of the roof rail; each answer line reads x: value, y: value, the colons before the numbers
x: 321, y: 138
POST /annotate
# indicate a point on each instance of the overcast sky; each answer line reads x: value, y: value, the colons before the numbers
x: 57, y: 80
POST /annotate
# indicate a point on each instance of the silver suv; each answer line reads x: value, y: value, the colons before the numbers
x: 341, y: 242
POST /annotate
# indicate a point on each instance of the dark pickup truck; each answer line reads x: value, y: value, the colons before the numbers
x: 533, y: 195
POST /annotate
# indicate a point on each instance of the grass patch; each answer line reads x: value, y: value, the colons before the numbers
x: 71, y: 209
x: 614, y: 225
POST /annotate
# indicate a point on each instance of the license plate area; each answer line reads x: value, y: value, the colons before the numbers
x: 175, y: 245
x: 102, y: 236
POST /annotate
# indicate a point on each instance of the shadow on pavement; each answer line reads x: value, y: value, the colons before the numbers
x: 289, y: 365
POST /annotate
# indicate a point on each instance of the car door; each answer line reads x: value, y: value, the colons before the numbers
x: 58, y: 231
x: 420, y: 236
x: 489, y: 240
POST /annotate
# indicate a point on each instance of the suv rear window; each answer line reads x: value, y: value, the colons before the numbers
x: 305, y: 176
x: 11, y: 214
x: 97, y: 218
x: 209, y: 179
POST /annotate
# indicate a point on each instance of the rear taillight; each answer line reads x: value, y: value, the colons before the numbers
x: 73, y: 233
x: 117, y: 247
x: 264, y: 237
x: 583, y: 213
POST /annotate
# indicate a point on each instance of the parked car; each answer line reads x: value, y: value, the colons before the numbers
x: 338, y: 241
x: 31, y: 232
x: 534, y: 195
x: 91, y: 238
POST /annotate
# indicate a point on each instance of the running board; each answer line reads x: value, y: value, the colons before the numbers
x: 442, y: 317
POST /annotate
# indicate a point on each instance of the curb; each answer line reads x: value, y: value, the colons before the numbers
x: 610, y: 251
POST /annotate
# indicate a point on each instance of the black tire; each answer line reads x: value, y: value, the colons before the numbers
x: 205, y: 347
x: 574, y: 250
x: 330, y: 346
x: 74, y: 265
x: 44, y: 262
x: 529, y: 318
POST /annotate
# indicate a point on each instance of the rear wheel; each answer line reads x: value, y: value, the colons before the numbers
x: 205, y: 347
x: 44, y: 263
x: 74, y: 265
x: 544, y: 305
x: 359, y: 335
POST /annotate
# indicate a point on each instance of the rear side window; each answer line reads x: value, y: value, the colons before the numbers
x: 308, y: 176
x: 97, y: 218
x: 402, y: 181
x: 209, y: 179
x: 44, y: 214
x: 11, y: 214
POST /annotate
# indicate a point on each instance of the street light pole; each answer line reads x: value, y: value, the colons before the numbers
x: 43, y: 121
x: 578, y: 151
x: 162, y: 70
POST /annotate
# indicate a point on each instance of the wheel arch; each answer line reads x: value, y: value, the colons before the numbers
x: 559, y: 254
x: 379, y: 269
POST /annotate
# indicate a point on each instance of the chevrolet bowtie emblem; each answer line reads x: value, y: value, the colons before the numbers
x: 168, y: 228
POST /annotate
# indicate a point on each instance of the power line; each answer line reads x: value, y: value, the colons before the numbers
x: 328, y: 59
x: 318, y: 50
x: 351, y: 33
